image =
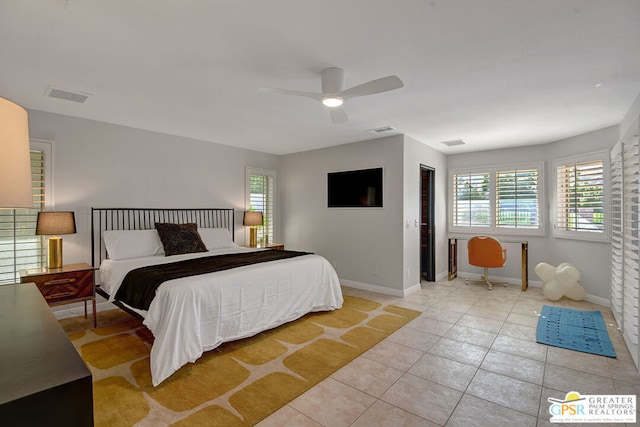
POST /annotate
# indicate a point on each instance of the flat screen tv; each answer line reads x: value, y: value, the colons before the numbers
x: 355, y: 189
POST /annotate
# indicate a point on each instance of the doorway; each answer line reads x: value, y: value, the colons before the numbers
x: 427, y: 224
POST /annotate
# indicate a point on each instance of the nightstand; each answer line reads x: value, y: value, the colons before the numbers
x: 65, y: 285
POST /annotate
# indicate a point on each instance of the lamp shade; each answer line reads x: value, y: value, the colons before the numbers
x: 54, y: 223
x: 15, y: 162
x: 252, y: 218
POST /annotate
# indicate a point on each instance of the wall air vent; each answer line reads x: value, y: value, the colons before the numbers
x: 382, y: 129
x: 453, y: 143
x: 67, y: 95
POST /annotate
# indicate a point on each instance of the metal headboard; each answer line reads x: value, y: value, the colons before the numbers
x: 103, y: 219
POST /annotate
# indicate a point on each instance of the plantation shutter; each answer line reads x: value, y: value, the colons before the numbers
x: 262, y: 199
x: 20, y: 248
x: 631, y: 157
x: 471, y: 200
x: 617, y: 232
x: 580, y: 196
x: 625, y: 247
x: 517, y: 199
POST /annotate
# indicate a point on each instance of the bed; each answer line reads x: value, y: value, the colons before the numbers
x: 191, y: 315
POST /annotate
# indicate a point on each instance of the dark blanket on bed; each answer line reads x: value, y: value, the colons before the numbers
x: 139, y: 286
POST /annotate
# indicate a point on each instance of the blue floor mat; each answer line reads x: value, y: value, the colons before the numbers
x: 578, y: 330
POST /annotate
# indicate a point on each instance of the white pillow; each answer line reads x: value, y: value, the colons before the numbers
x: 124, y: 244
x: 216, y: 238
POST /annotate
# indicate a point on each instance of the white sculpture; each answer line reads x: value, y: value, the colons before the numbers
x: 560, y: 281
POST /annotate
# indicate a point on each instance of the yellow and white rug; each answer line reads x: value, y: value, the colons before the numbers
x: 237, y: 384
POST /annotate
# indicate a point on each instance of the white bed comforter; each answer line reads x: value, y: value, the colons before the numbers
x: 195, y: 314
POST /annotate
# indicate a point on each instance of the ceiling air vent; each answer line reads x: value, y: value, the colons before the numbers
x: 67, y: 95
x: 382, y: 129
x: 453, y: 143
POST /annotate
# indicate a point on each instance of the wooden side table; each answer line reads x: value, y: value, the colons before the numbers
x: 276, y: 246
x: 65, y: 285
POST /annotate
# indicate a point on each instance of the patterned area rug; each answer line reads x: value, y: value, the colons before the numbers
x: 578, y: 330
x: 237, y: 384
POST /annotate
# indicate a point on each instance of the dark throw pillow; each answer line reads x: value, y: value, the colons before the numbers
x: 180, y: 238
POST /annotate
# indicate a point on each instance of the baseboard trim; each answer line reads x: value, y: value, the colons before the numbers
x: 401, y: 293
x: 598, y: 300
x: 509, y: 280
x: 442, y: 276
x: 534, y: 284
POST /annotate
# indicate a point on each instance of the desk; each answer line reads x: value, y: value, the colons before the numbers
x: 453, y: 259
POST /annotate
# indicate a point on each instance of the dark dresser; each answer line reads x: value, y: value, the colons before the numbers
x: 43, y: 380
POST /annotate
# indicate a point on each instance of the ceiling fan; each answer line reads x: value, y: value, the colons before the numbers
x: 333, y: 96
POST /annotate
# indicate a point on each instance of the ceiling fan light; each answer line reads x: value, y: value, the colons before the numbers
x: 332, y: 101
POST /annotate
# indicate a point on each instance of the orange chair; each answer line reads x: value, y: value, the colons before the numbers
x: 487, y: 252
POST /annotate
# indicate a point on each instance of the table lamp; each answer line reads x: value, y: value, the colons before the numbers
x: 52, y: 224
x: 15, y: 163
x: 253, y: 220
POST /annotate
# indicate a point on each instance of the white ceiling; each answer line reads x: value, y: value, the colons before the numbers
x: 496, y: 73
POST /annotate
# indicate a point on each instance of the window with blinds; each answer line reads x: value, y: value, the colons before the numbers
x: 625, y: 238
x: 580, y: 197
x: 471, y: 200
x: 501, y: 200
x: 261, y: 198
x: 517, y: 204
x: 20, y: 248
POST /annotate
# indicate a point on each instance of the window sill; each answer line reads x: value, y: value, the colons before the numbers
x: 582, y: 236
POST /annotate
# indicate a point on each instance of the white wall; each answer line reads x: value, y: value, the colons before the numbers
x: 416, y: 154
x: 631, y: 118
x: 366, y: 244
x: 99, y: 164
x: 591, y: 258
x: 103, y: 165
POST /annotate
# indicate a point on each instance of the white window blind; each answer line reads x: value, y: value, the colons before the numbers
x: 631, y: 158
x: 625, y: 242
x: 20, y: 248
x: 517, y: 203
x: 617, y: 232
x: 261, y: 198
x: 471, y: 199
x: 500, y: 200
x: 580, y: 196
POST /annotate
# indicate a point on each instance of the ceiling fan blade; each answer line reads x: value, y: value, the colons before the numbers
x: 338, y: 115
x: 332, y: 80
x: 383, y: 84
x: 316, y: 96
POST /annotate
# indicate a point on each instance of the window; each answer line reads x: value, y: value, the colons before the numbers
x: 517, y: 204
x: 500, y: 200
x: 580, y: 211
x: 471, y: 200
x: 20, y: 248
x: 261, y: 192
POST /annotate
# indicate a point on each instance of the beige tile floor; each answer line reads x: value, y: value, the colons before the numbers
x: 470, y: 359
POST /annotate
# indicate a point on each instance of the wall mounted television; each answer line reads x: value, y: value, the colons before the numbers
x: 360, y: 188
